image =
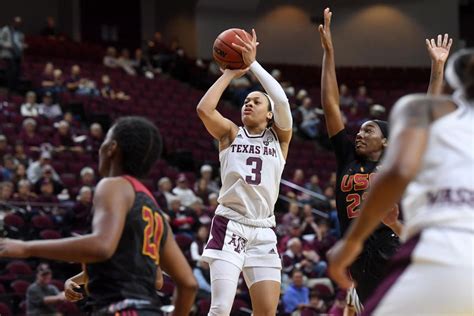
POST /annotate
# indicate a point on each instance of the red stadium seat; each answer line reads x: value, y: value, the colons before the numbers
x: 42, y: 222
x: 5, y: 310
x: 50, y: 234
x: 19, y: 267
x: 184, y: 241
x: 20, y: 286
x: 13, y: 220
x: 69, y: 309
x: 58, y: 283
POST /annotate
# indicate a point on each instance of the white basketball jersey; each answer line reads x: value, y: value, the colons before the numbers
x: 442, y: 194
x: 251, y: 169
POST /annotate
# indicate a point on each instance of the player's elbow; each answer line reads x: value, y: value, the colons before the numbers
x: 188, y: 284
x: 201, y: 110
x: 102, y: 252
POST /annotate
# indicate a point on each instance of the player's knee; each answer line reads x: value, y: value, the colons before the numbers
x: 220, y: 309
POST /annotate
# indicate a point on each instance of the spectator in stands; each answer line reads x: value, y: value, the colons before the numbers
x: 46, y: 193
x: 20, y: 173
x: 126, y: 63
x: 201, y: 213
x: 58, y: 80
x: 300, y: 96
x: 345, y: 98
x: 164, y: 195
x: 201, y: 190
x: 73, y: 122
x: 82, y: 210
x: 107, y: 92
x: 181, y: 218
x: 49, y: 176
x: 377, y: 112
x: 28, y: 135
x: 307, y: 261
x: 88, y: 177
x: 206, y: 173
x: 41, y: 296
x: 332, y: 180
x: 142, y: 65
x: 159, y: 53
x: 35, y: 170
x: 197, y: 246
x: 12, y: 44
x: 183, y: 192
x: 296, y: 295
x: 49, y: 30
x: 313, y: 184
x: 72, y: 83
x: 362, y: 99
x: 309, y: 226
x: 110, y: 58
x: 339, y: 304
x: 298, y: 179
x: 47, y: 77
x: 309, y: 119
x: 63, y: 139
x: 203, y: 276
x: 49, y: 109
x: 212, y: 198
x: 9, y: 168
x: 292, y: 217
x: 316, y: 305
x: 6, y: 190
x: 3, y: 146
x: 24, y: 193
x: 94, y: 139
x: 325, y: 240
x: 329, y: 192
x: 30, y: 107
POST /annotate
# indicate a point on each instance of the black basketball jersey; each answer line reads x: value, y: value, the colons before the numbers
x: 354, y: 175
x: 131, y: 272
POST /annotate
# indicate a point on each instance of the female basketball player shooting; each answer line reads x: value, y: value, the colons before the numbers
x: 357, y: 166
x: 252, y: 160
x: 129, y: 238
x: 430, y: 162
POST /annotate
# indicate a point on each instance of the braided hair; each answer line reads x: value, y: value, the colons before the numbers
x: 140, y: 144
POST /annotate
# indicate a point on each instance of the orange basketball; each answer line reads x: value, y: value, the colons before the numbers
x: 224, y: 53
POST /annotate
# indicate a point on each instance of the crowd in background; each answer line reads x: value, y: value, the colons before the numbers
x: 35, y: 193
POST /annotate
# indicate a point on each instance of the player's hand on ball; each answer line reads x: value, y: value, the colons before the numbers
x: 325, y: 31
x: 248, y: 47
x: 439, y: 49
x: 69, y: 292
x: 12, y: 248
x: 340, y: 257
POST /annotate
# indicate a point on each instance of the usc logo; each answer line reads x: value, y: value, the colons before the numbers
x: 356, y: 182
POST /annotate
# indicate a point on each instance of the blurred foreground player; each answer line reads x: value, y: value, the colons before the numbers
x: 430, y: 162
x: 252, y: 159
x: 356, y: 165
x: 129, y: 238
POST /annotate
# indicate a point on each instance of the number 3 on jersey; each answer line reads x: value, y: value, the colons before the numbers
x: 152, y: 233
x: 256, y: 176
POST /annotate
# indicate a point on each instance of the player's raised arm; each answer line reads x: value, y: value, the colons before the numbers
x: 283, y: 121
x: 329, y: 88
x: 410, y: 120
x: 439, y: 51
x: 218, y: 126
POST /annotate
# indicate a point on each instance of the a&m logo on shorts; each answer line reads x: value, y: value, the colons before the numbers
x: 238, y: 243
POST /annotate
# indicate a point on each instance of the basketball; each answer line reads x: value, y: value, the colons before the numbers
x: 224, y: 53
